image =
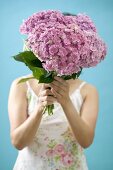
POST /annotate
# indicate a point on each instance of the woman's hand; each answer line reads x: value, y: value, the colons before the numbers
x: 60, y: 89
x: 46, y: 97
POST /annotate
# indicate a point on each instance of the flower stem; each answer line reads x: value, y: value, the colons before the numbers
x: 49, y: 108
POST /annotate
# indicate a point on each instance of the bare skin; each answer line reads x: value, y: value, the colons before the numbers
x: 24, y: 128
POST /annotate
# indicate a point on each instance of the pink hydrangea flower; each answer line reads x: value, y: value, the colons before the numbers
x: 85, y: 23
x: 64, y: 44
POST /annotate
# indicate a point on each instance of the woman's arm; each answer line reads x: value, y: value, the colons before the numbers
x: 83, y: 126
x: 24, y: 128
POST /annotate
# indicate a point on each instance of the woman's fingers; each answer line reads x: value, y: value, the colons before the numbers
x: 45, y: 86
x: 46, y: 92
x: 60, y: 84
x: 46, y: 97
x: 56, y: 89
x: 57, y: 85
x: 58, y: 95
x: 61, y: 81
x: 47, y: 100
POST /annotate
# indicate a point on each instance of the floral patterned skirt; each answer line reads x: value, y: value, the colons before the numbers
x: 44, y: 153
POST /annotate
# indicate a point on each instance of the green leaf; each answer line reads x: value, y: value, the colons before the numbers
x: 20, y: 57
x: 28, y: 57
x: 37, y: 72
x: 48, y: 74
x: 25, y: 79
x: 73, y: 76
x: 46, y: 78
x: 32, y: 62
x: 66, y: 77
x: 76, y: 75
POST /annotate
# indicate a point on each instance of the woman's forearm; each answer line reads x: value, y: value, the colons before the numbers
x: 24, y: 134
x: 80, y: 129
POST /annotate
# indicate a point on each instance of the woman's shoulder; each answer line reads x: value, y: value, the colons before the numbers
x: 85, y: 85
x: 16, y: 85
x: 23, y: 86
x: 17, y: 79
x: 89, y: 89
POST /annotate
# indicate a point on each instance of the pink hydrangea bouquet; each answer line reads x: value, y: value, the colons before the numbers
x: 60, y: 44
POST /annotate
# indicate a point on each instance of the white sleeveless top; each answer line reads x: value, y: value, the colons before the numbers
x: 54, y: 146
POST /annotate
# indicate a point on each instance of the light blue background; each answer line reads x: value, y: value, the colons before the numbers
x: 100, y: 153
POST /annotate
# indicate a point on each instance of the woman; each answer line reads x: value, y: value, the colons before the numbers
x: 52, y: 142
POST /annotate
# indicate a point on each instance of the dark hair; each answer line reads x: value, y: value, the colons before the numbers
x: 68, y: 14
